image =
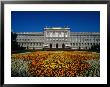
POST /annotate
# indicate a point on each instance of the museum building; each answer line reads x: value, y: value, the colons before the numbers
x: 58, y: 37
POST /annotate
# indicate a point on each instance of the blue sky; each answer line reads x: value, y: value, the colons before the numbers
x: 35, y: 21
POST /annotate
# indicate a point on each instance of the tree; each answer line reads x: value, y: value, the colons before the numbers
x: 95, y: 48
x: 14, y: 43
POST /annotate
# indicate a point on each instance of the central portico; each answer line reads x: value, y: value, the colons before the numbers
x: 56, y: 37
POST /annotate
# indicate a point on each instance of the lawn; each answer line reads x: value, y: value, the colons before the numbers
x: 56, y: 64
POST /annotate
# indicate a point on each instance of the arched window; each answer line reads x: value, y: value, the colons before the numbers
x: 50, y: 45
x: 57, y: 45
x: 63, y: 45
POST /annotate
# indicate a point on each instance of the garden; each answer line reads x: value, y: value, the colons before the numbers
x: 55, y: 64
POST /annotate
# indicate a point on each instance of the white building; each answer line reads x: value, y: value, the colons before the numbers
x: 58, y: 37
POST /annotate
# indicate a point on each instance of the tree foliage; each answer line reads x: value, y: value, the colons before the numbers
x: 95, y: 48
x: 14, y: 43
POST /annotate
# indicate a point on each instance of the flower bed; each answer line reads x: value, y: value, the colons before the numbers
x: 56, y: 63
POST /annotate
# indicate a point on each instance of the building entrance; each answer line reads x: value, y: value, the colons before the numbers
x: 57, y: 45
x: 63, y: 45
x: 50, y: 45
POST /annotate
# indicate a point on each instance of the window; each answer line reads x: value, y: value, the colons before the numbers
x: 65, y: 39
x: 21, y: 44
x: 73, y: 43
x: 79, y: 44
x: 76, y: 44
x: 33, y: 44
x: 39, y: 44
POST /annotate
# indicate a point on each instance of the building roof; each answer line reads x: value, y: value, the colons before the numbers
x: 84, y: 33
x: 36, y: 33
x: 56, y: 28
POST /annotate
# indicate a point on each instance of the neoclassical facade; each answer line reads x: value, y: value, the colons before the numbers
x: 58, y: 37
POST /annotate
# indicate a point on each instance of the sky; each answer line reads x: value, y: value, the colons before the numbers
x: 36, y: 21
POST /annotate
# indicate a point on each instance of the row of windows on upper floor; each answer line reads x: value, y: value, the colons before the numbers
x: 57, y: 39
x: 70, y: 35
x: 29, y: 39
x: 86, y: 39
x: 74, y: 39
